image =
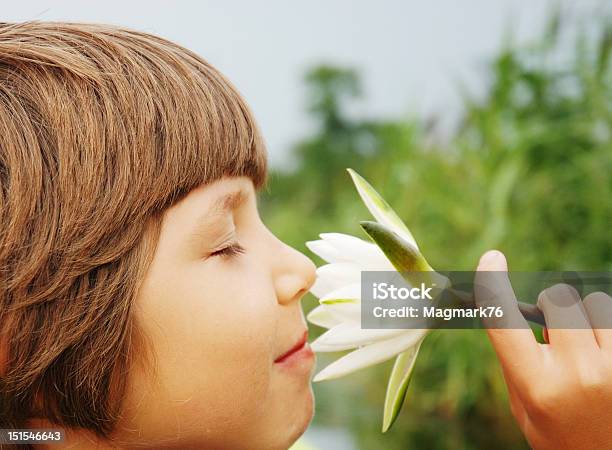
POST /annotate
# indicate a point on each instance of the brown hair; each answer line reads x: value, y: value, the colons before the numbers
x: 101, y: 129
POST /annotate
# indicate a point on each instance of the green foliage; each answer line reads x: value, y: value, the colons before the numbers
x: 528, y: 172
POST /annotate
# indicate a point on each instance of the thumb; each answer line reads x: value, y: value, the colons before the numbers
x: 493, y: 260
x: 510, y: 335
x: 492, y: 288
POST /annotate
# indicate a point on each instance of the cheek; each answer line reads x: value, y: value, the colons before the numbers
x: 214, y: 335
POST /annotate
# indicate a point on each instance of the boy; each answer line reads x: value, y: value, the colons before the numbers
x: 143, y: 303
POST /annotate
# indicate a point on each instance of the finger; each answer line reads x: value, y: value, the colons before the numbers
x: 598, y: 307
x: 513, y: 340
x: 568, y: 327
x: 492, y: 288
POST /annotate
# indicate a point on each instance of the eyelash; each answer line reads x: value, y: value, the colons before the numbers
x: 230, y: 251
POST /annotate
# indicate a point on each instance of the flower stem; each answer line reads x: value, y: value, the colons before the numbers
x: 529, y: 311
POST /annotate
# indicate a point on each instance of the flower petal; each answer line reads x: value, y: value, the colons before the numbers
x: 321, y: 287
x: 348, y: 292
x: 324, y: 250
x: 334, y: 276
x: 350, y: 335
x: 322, y: 317
x: 398, y: 385
x: 379, y: 208
x: 344, y: 310
x: 370, y: 355
x: 353, y: 249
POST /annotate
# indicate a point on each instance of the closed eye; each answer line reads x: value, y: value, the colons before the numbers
x: 229, y: 251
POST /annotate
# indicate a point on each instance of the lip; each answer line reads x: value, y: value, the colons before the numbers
x: 300, y: 350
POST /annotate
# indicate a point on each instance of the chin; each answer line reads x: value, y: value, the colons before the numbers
x: 300, y: 420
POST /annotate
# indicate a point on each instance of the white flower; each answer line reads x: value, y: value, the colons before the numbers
x: 338, y: 287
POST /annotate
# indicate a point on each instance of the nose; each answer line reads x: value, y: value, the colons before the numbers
x: 294, y: 273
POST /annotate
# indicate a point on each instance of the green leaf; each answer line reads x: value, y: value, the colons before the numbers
x: 379, y: 208
x: 401, y: 253
x: 406, y: 259
x: 398, y: 385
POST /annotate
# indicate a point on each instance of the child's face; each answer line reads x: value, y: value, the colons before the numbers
x: 219, y: 324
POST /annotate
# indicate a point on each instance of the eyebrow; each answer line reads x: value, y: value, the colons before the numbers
x: 227, y: 202
x: 221, y: 205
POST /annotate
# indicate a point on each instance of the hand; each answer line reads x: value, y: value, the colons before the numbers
x: 560, y: 392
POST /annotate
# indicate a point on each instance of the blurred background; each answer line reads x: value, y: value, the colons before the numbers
x: 483, y: 123
x: 526, y: 168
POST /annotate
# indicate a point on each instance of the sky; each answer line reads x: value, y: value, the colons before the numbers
x: 411, y: 54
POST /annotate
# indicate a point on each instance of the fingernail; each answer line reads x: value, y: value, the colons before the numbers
x: 491, y: 259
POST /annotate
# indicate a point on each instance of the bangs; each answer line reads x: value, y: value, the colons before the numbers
x: 155, y: 119
x: 203, y: 128
x: 137, y: 106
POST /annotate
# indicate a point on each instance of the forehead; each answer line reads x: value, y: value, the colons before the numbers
x: 213, y: 198
x: 203, y: 210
